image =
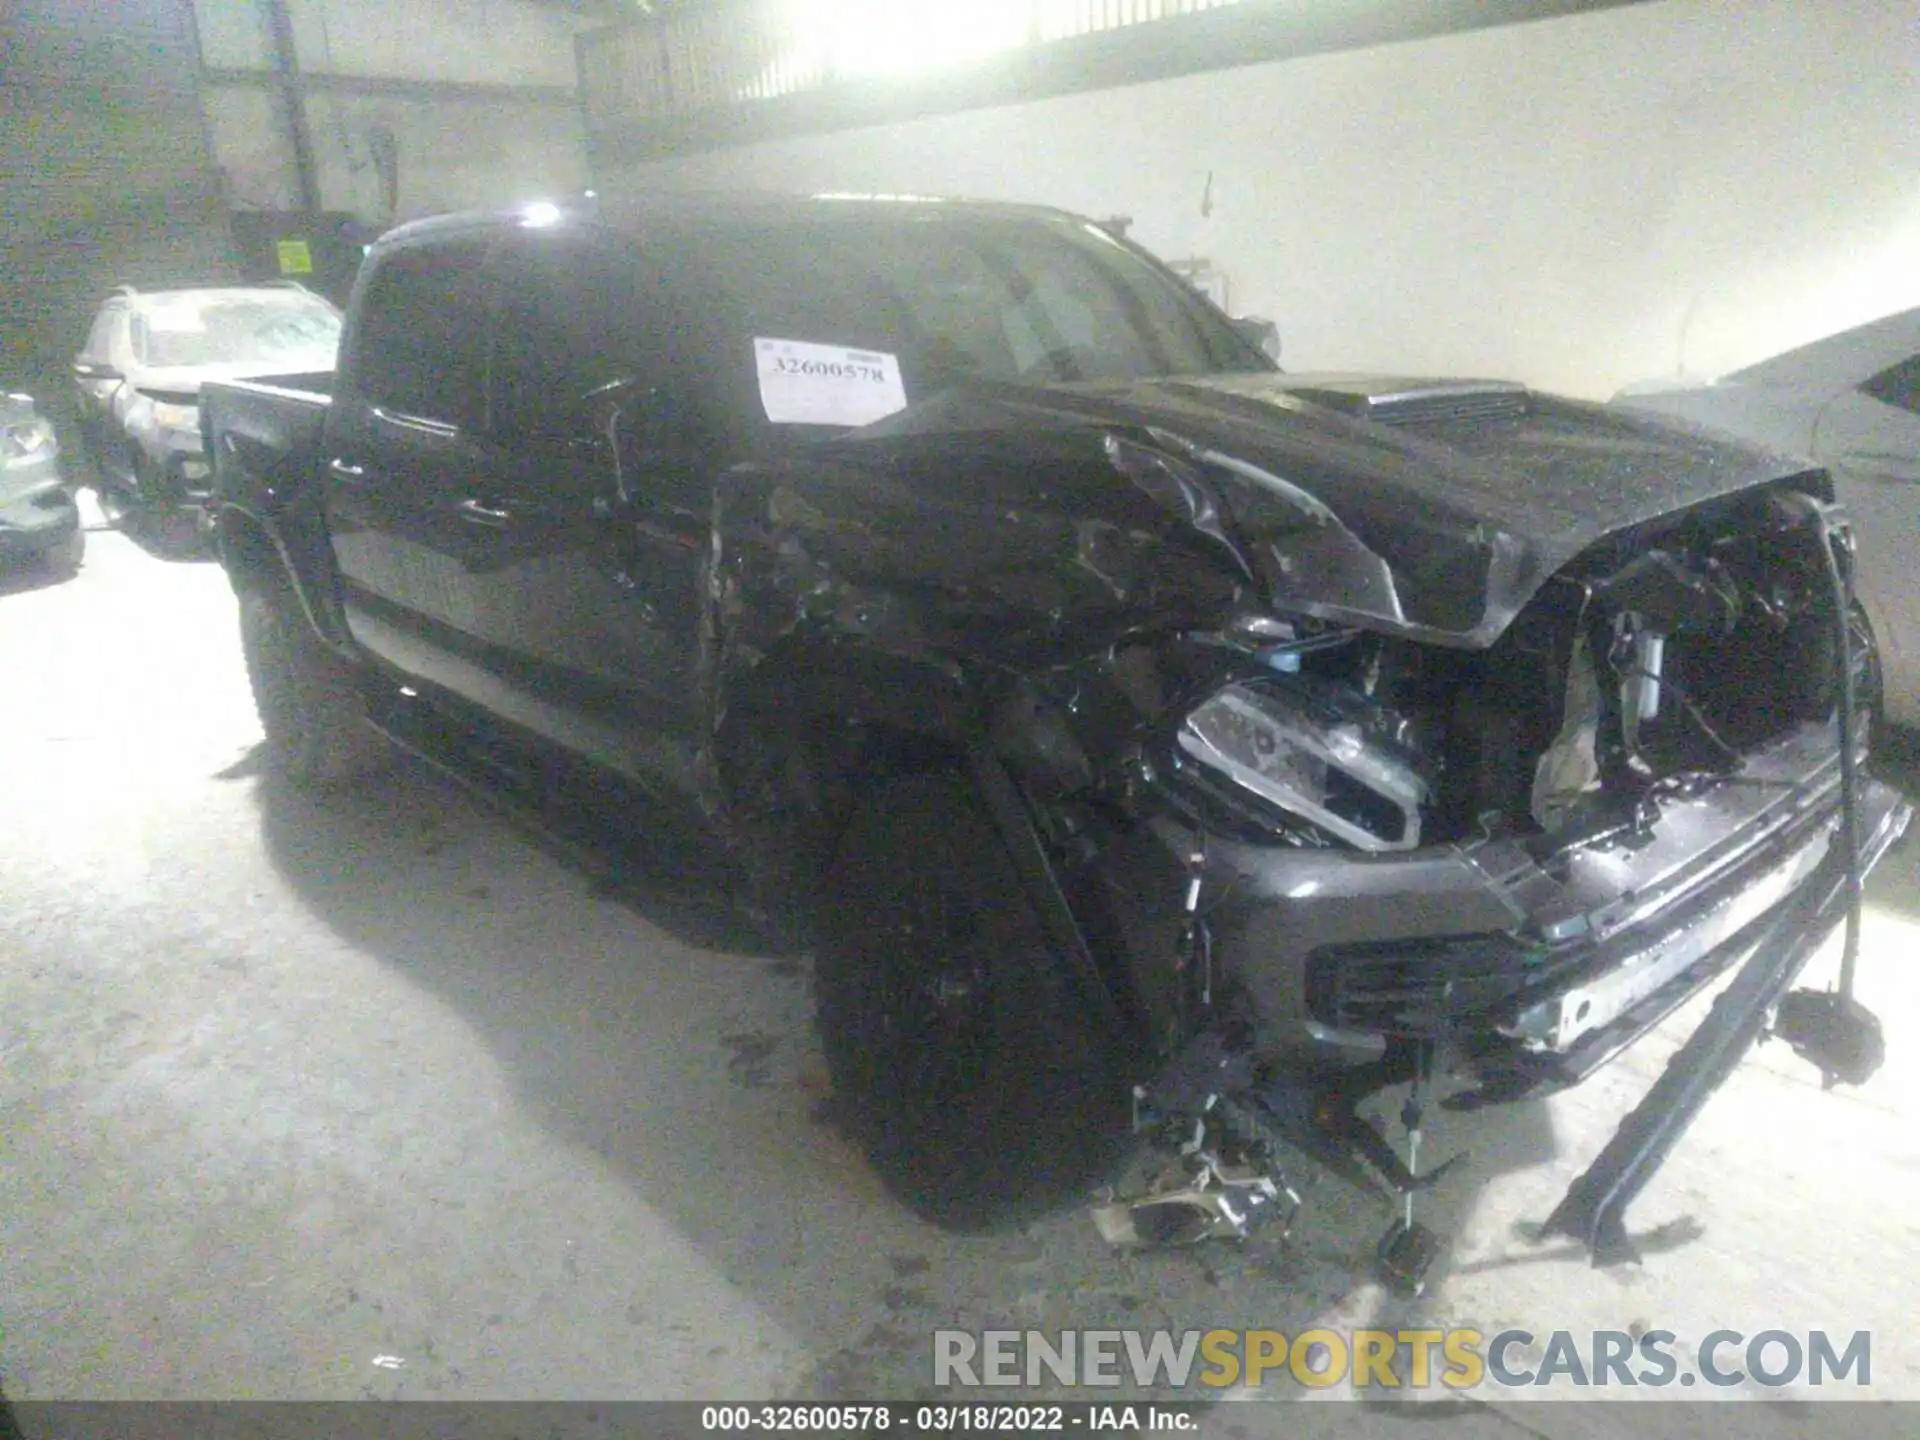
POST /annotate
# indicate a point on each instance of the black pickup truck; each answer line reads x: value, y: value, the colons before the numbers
x: 1146, y: 741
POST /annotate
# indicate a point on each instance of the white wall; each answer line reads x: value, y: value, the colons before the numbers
x: 453, y: 151
x: 251, y: 147
x: 453, y: 154
x: 508, y: 42
x: 233, y: 33
x: 1576, y: 202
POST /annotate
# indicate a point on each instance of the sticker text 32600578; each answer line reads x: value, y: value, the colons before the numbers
x: 803, y: 382
x: 791, y: 365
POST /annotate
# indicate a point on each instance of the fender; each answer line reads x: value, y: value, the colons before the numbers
x: 857, y: 684
x: 927, y: 695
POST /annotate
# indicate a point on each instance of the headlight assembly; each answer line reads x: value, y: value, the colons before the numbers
x: 1317, y: 752
x: 26, y: 440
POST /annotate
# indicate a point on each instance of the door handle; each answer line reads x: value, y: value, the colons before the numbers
x: 343, y: 471
x: 483, y: 514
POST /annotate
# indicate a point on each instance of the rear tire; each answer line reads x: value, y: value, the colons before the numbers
x: 984, y: 1090
x: 308, y: 698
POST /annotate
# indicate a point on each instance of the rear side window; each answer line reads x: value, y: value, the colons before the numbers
x: 1898, y: 386
x: 420, y: 351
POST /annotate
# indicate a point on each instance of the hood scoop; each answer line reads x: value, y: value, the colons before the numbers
x: 1417, y: 404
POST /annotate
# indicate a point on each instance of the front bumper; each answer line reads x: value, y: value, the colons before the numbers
x: 1520, y: 966
x: 1558, y: 953
x: 37, y: 510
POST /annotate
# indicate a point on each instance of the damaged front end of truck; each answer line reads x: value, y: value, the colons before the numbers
x: 1357, y: 734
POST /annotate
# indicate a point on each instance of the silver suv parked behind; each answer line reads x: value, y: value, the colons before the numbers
x: 148, y: 353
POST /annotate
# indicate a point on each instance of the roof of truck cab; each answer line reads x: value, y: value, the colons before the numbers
x: 637, y: 213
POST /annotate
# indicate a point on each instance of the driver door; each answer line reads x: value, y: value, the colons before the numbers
x: 589, y: 539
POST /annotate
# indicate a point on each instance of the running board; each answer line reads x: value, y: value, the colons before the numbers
x: 1594, y: 1209
x: 478, y: 767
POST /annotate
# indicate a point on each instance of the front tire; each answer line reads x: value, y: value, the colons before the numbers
x: 985, y: 1091
x: 308, y: 698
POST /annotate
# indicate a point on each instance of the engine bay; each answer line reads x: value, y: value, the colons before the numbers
x: 1658, y: 659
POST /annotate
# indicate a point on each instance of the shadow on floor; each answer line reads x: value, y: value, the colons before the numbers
x: 24, y: 577
x: 734, y: 1142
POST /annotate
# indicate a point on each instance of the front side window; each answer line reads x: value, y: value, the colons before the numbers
x: 420, y: 350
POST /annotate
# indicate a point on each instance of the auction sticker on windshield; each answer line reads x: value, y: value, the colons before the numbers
x: 806, y: 384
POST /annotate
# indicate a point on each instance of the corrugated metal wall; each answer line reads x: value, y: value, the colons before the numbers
x: 105, y: 176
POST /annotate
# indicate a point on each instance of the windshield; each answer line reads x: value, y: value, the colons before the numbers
x: 236, y: 330
x: 952, y: 299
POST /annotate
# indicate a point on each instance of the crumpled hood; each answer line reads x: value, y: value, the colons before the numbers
x: 1433, y: 509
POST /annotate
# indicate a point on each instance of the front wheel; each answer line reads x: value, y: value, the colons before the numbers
x: 308, y: 698
x: 985, y: 1091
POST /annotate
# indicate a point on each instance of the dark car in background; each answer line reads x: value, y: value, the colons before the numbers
x: 149, y: 352
x: 1851, y: 402
x: 39, y: 521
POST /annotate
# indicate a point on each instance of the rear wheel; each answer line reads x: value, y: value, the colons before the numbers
x: 309, y: 699
x: 983, y: 1088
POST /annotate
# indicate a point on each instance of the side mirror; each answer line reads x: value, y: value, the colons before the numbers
x: 95, y: 370
x: 1262, y: 334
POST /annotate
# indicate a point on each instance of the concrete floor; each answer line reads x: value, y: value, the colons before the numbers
x: 376, y: 1099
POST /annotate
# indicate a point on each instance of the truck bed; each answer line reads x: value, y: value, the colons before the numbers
x: 264, y: 431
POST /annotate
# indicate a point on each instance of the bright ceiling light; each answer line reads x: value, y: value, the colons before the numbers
x: 891, y: 37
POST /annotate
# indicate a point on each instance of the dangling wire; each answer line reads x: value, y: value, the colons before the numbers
x: 1196, y: 940
x: 1692, y: 710
x: 1849, y: 806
